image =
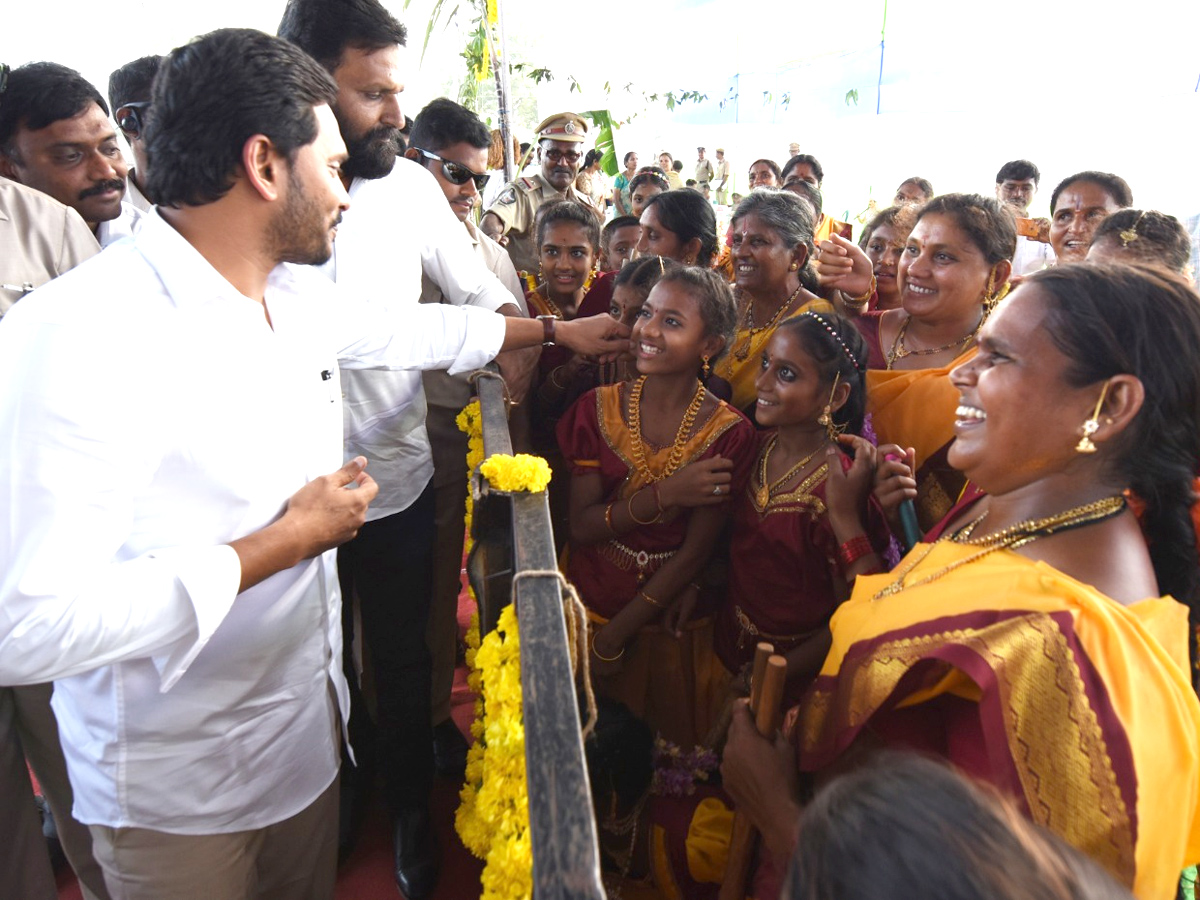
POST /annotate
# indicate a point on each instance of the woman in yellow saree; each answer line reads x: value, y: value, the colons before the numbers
x: 954, y: 267
x: 772, y: 246
x: 1037, y: 644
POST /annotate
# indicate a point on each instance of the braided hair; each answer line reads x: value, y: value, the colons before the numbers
x: 1142, y: 321
x: 837, y: 347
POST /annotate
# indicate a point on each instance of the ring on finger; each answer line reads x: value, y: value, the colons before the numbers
x: 717, y: 490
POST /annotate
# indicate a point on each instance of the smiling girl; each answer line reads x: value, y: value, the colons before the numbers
x: 655, y: 462
x: 804, y: 528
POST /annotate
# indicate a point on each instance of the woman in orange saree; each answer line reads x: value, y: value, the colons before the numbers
x: 1041, y: 644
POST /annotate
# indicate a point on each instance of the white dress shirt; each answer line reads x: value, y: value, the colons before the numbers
x: 396, y: 228
x: 123, y: 226
x: 142, y: 435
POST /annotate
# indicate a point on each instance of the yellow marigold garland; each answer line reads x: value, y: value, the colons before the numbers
x: 493, y: 816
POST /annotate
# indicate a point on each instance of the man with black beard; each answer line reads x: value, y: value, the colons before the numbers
x: 398, y: 227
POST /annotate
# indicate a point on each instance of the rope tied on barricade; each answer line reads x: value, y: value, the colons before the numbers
x: 575, y: 615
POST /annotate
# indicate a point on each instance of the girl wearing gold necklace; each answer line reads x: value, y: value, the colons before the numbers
x: 805, y: 527
x: 771, y: 249
x: 1042, y: 644
x: 654, y: 463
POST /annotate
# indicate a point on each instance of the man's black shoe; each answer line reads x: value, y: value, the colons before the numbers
x: 416, y: 854
x: 449, y: 750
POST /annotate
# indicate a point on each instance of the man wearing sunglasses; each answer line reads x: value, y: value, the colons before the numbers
x: 129, y: 93
x: 560, y: 152
x: 56, y: 137
x: 398, y: 230
x: 452, y: 143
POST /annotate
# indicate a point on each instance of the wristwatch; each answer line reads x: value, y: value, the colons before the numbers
x: 548, y: 330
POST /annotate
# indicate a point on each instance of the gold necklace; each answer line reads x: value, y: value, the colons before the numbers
x: 767, y: 490
x: 1018, y: 535
x: 681, y: 436
x: 747, y: 327
x: 899, y: 351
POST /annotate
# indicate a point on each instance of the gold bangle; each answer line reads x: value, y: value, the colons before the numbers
x: 649, y: 599
x: 867, y: 296
x: 608, y: 518
x: 636, y: 520
x: 604, y: 658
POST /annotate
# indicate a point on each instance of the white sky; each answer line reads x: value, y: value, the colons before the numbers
x: 966, y: 86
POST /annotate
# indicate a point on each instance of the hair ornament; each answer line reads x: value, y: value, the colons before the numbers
x: 825, y: 323
x: 1130, y: 234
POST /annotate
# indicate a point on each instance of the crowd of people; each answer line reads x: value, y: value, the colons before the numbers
x: 947, y: 471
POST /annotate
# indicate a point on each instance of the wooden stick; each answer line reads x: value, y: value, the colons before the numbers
x: 762, y: 652
x: 767, y: 715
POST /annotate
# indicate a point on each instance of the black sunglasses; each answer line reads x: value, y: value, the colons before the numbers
x: 456, y: 173
x: 130, y: 118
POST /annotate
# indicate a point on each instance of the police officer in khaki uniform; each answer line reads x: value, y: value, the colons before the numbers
x: 704, y: 171
x: 560, y: 140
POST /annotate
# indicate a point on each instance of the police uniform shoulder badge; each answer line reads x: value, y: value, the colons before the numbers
x: 507, y: 197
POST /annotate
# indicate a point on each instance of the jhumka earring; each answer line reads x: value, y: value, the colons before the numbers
x: 825, y: 419
x: 706, y: 366
x: 1092, y: 425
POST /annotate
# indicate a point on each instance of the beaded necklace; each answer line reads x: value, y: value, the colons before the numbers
x: 748, y: 328
x: 899, y: 351
x: 685, y: 428
x: 1018, y: 535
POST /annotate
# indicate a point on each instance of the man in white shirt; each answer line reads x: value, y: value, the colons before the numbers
x: 129, y: 93
x: 166, y: 552
x: 399, y: 229
x: 40, y: 239
x: 451, y: 143
x: 1016, y: 184
x: 55, y: 136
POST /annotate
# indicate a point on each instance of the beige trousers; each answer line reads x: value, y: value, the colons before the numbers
x: 295, y: 859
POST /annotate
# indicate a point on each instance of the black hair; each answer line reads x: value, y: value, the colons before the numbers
x: 919, y: 827
x: 641, y: 275
x: 985, y: 221
x: 649, y: 175
x: 843, y: 357
x: 772, y: 165
x: 809, y: 192
x: 629, y: 154
x: 212, y: 95
x: 687, y: 215
x: 812, y: 164
x: 1018, y: 170
x: 1148, y: 236
x: 789, y: 217
x: 133, y: 82
x: 567, y: 211
x: 677, y: 165
x: 592, y: 156
x: 1114, y: 319
x: 668, y: 156
x: 610, y: 229
x: 40, y: 94
x: 325, y: 28
x: 714, y: 298
x: 443, y: 123
x: 1116, y: 187
x: 902, y: 218
x: 924, y: 185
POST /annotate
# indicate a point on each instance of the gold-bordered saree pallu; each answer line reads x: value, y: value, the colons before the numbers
x: 1078, y: 707
x: 916, y: 409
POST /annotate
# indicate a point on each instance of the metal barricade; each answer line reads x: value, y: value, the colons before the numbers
x: 512, y: 534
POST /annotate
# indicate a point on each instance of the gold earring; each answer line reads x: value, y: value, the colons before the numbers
x: 706, y: 366
x: 794, y: 267
x: 825, y: 419
x: 1092, y: 425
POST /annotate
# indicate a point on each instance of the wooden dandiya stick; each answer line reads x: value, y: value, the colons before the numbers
x: 766, y: 695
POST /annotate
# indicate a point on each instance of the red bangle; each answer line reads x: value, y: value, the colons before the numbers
x: 854, y: 550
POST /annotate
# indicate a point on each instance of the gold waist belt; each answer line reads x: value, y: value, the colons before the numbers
x: 750, y: 630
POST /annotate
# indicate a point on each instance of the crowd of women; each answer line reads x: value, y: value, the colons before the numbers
x: 957, y: 501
